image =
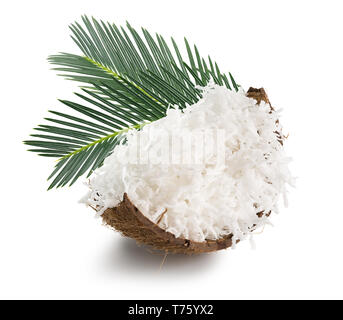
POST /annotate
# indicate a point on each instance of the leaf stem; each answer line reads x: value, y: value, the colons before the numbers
x: 137, y: 126
x: 117, y: 76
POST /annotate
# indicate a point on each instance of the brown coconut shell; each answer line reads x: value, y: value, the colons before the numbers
x: 130, y: 222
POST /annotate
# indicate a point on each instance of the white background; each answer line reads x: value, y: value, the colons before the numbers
x: 52, y: 247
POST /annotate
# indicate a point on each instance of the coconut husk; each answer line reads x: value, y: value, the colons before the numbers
x: 130, y: 222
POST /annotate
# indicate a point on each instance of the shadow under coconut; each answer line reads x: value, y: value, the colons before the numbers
x: 125, y: 256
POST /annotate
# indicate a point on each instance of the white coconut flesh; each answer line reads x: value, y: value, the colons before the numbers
x: 206, y: 194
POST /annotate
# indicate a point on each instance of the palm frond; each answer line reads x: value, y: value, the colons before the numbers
x: 127, y: 80
x: 81, y: 142
x: 110, y: 51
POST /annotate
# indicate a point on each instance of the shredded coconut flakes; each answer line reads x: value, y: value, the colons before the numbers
x: 201, y: 201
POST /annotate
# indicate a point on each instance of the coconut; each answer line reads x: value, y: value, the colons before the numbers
x: 217, y: 198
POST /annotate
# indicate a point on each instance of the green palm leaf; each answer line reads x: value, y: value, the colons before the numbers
x: 127, y: 80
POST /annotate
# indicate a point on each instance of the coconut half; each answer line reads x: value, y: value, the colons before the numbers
x: 199, y: 207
